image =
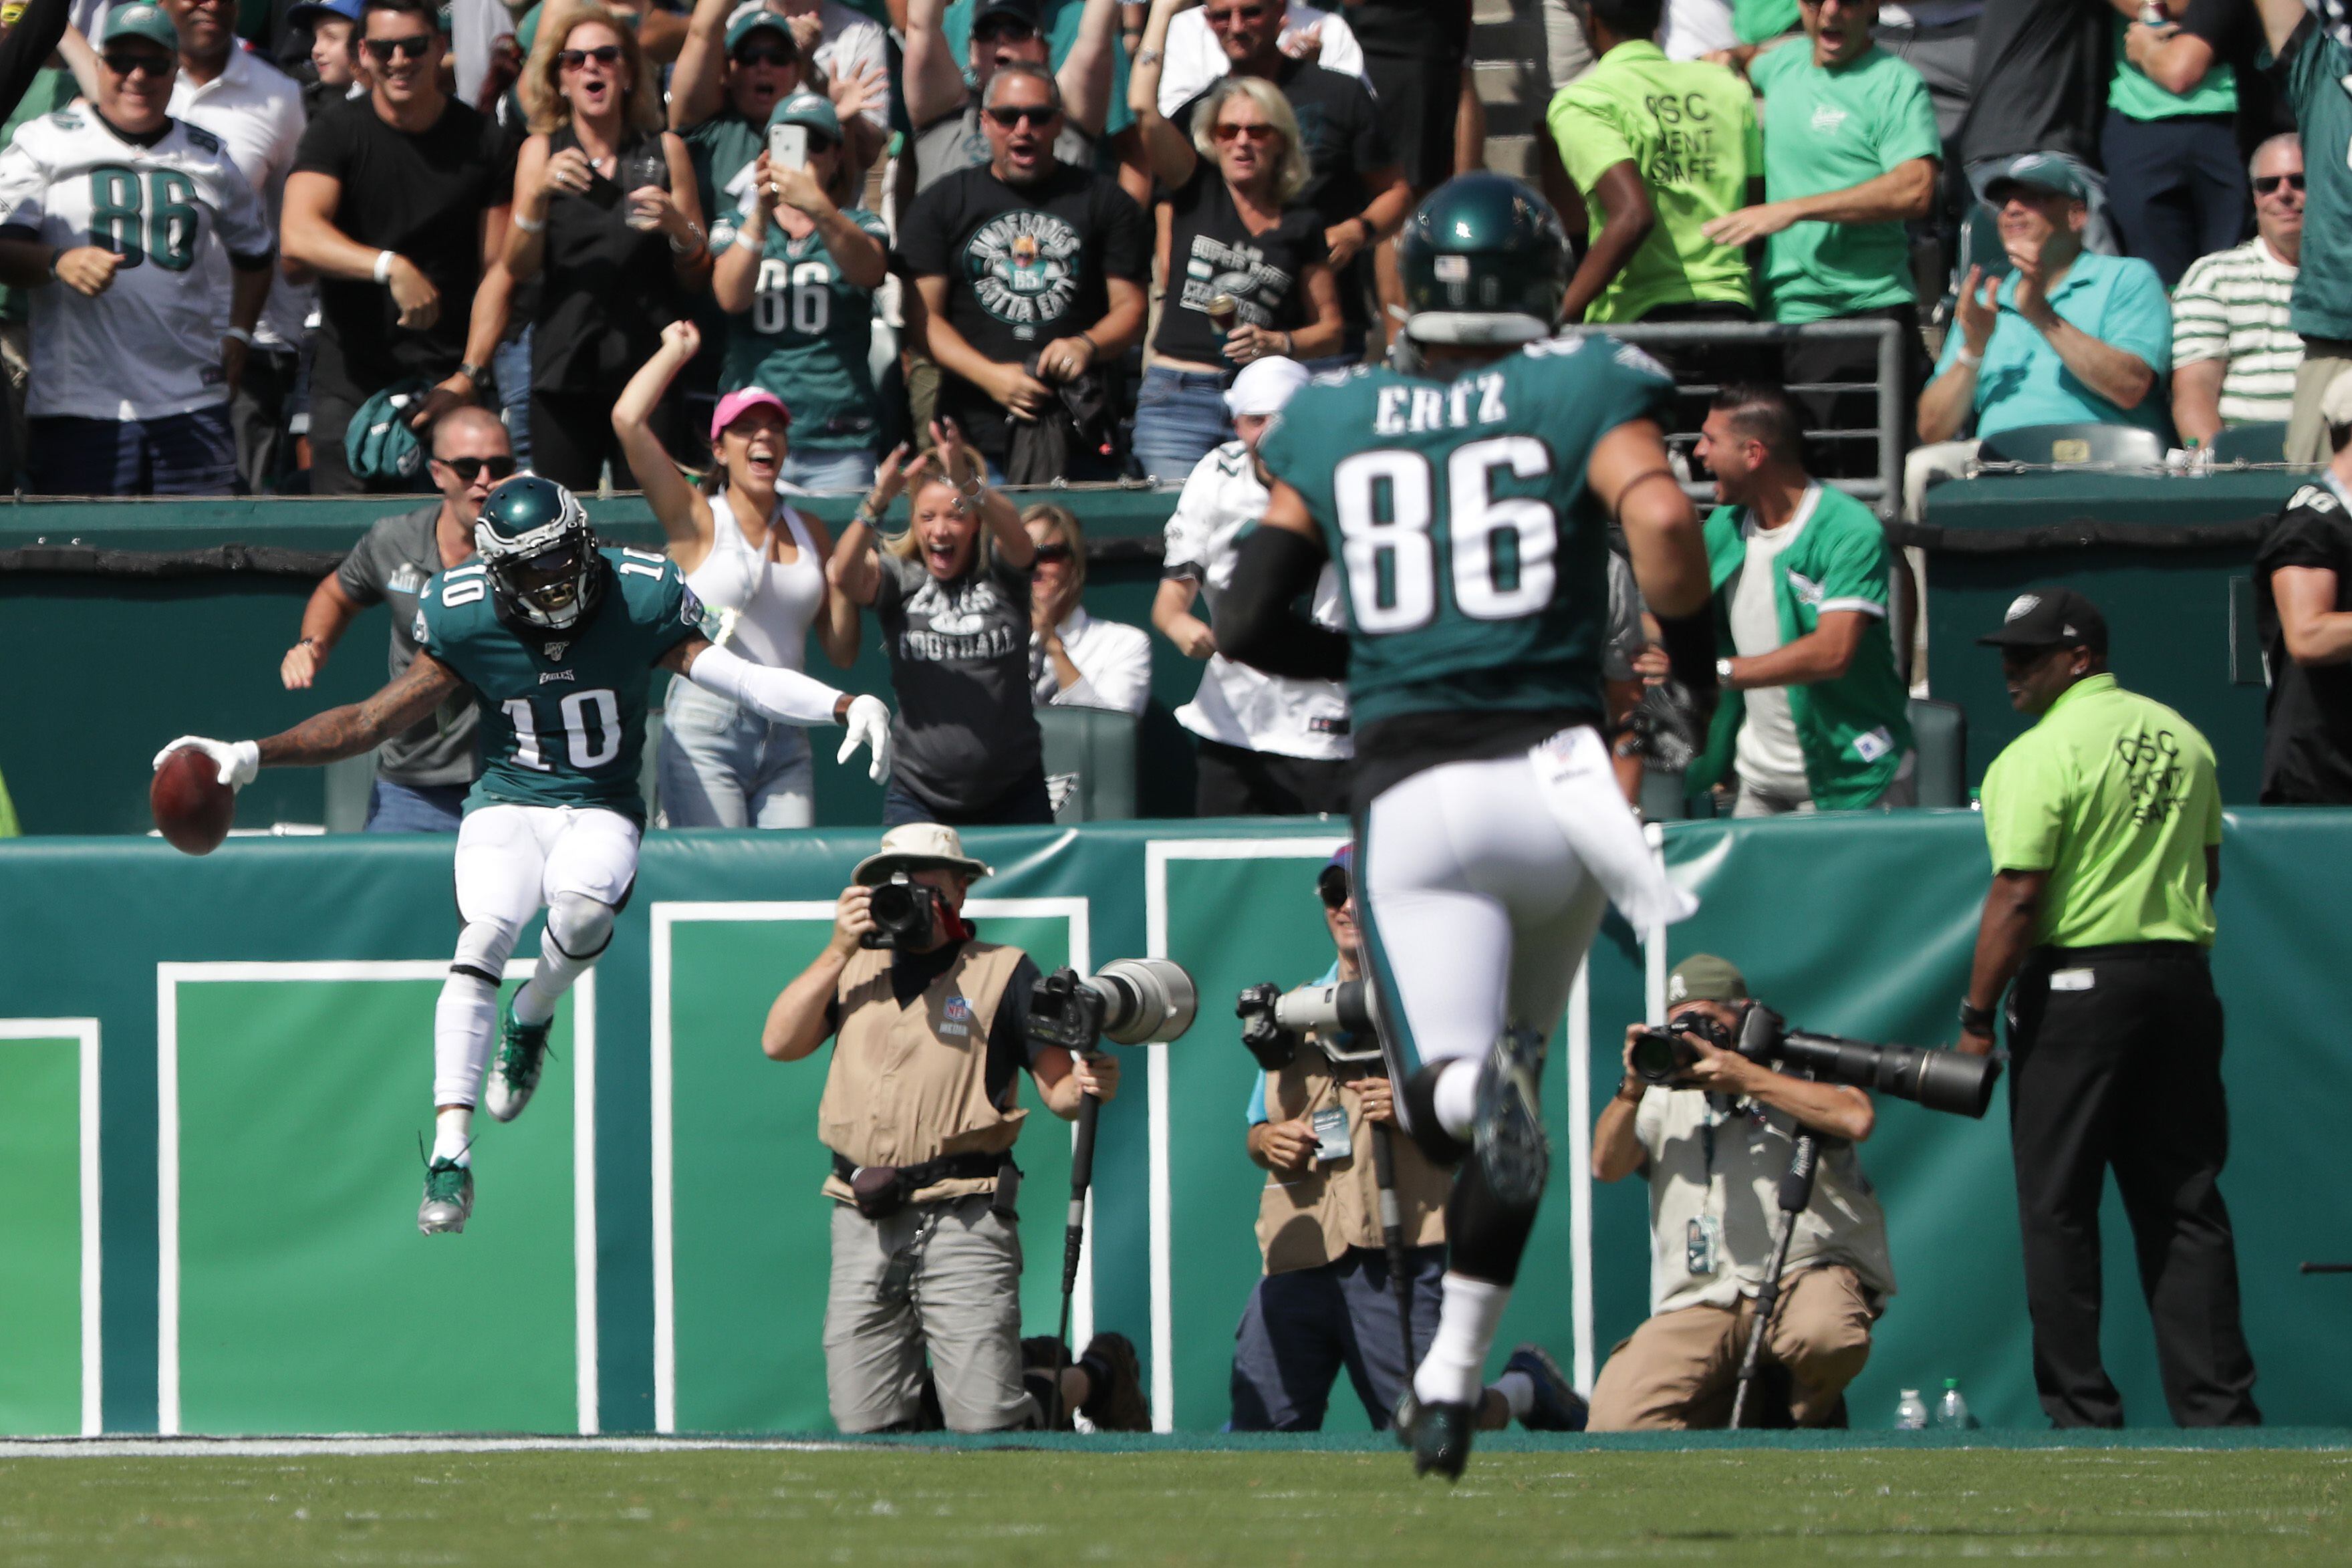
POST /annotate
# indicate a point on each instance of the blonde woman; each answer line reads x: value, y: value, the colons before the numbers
x: 607, y: 218
x: 1075, y: 660
x: 952, y: 595
x: 1248, y: 273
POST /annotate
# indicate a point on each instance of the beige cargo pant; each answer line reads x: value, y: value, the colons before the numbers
x: 1679, y: 1369
x: 956, y: 1292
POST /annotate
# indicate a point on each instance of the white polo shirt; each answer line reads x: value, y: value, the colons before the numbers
x: 257, y: 109
x: 1194, y: 58
x: 1114, y: 662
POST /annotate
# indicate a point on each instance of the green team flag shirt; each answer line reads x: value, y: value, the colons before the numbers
x: 2131, y: 92
x: 1472, y: 557
x: 1853, y: 731
x: 2112, y: 794
x: 564, y: 718
x: 805, y: 339
x: 1831, y: 131
x: 1690, y: 128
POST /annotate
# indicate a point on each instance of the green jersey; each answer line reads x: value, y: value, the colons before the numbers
x: 564, y: 717
x: 805, y: 339
x: 1472, y: 557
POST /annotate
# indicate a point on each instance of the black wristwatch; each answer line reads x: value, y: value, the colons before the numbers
x: 1976, y: 1020
x: 478, y: 374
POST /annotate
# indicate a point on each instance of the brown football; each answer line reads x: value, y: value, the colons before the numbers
x: 192, y: 806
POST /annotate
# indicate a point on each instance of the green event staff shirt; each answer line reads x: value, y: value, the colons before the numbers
x: 2315, y: 67
x: 2131, y: 92
x: 1472, y: 557
x: 563, y: 716
x: 1855, y: 731
x: 2118, y: 299
x: 1690, y: 128
x: 1831, y: 131
x: 2112, y: 794
x: 806, y: 339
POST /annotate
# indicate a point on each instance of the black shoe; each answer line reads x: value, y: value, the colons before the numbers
x: 1439, y: 1435
x: 1508, y: 1131
x: 1117, y: 1404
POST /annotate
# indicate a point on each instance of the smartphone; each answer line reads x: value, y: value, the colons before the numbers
x: 788, y: 147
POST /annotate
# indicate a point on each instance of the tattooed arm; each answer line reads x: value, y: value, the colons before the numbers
x: 357, y: 727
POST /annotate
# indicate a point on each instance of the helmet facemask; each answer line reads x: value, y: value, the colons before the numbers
x: 540, y: 554
x: 550, y: 586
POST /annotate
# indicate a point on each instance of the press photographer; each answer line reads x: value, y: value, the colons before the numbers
x: 926, y: 1245
x: 1717, y: 1142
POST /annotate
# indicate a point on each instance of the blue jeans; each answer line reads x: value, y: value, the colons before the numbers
x: 828, y: 473
x: 510, y: 369
x: 191, y: 454
x: 1303, y: 1326
x: 1026, y: 803
x: 414, y: 808
x: 721, y: 767
x: 1179, y: 418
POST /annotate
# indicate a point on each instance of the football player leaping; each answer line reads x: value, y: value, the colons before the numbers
x: 1467, y: 497
x: 558, y: 639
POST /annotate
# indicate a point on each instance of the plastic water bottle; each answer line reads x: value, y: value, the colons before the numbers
x: 1952, y: 1410
x: 1910, y: 1412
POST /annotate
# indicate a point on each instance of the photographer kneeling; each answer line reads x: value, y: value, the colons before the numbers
x: 926, y: 1245
x: 1714, y: 1144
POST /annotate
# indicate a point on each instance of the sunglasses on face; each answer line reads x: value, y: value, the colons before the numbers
x: 127, y: 63
x: 467, y: 467
x: 1230, y: 132
x: 412, y: 48
x: 1010, y: 117
x: 1331, y: 884
x: 765, y: 55
x: 1231, y: 14
x: 1057, y: 551
x: 573, y: 59
x: 2270, y: 183
x: 1006, y: 30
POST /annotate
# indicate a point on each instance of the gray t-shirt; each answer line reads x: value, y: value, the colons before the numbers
x: 394, y: 558
x: 965, y: 732
x: 957, y: 142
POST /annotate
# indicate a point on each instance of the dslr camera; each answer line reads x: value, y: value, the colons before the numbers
x: 1343, y: 1018
x: 905, y: 913
x: 1939, y: 1080
x: 1133, y: 1000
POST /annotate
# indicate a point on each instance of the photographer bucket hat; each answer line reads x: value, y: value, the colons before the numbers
x: 918, y: 846
x: 1703, y: 977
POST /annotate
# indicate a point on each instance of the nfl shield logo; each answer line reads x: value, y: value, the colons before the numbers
x: 958, y: 1010
x: 557, y: 649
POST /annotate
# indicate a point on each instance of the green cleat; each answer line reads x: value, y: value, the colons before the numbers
x: 1438, y: 1434
x: 514, y: 1073
x: 448, y: 1198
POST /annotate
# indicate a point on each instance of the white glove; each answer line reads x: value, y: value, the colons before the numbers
x: 240, y: 761
x: 869, y: 724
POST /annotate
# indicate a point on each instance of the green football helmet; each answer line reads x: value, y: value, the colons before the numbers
x: 534, y: 538
x: 1482, y: 260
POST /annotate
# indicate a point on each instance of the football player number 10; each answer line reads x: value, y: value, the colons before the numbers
x: 1501, y: 546
x: 584, y: 752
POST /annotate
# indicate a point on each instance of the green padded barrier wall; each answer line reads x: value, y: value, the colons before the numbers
x: 649, y: 1248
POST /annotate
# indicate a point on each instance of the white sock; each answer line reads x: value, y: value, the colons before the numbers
x: 465, y: 1027
x: 1518, y: 1391
x: 549, y: 979
x: 452, y: 1133
x: 1452, y: 1373
x: 1457, y: 1097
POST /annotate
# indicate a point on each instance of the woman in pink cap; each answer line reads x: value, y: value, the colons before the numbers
x: 758, y: 566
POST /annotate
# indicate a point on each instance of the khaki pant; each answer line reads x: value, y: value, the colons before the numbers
x: 1679, y: 1369
x: 2323, y: 359
x: 960, y: 1299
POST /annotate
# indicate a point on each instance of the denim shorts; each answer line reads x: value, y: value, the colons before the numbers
x: 828, y: 473
x: 720, y: 766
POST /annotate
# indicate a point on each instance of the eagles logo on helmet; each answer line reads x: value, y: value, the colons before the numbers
x: 541, y: 554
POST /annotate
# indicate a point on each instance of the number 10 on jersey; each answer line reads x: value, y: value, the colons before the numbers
x: 590, y: 729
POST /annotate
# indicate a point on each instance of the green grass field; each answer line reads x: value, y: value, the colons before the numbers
x: 1262, y: 1506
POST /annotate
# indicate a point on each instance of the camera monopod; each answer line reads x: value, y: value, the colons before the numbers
x: 1796, y: 1193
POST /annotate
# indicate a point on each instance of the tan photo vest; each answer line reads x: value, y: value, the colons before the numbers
x: 1308, y: 1218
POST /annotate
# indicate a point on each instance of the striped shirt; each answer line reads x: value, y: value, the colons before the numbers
x: 2234, y: 305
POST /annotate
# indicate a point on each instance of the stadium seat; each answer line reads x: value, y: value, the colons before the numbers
x: 1096, y: 747
x: 2263, y: 443
x: 1940, y: 731
x: 2062, y: 444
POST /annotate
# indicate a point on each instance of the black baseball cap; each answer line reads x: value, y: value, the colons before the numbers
x: 1028, y: 13
x: 2050, y: 617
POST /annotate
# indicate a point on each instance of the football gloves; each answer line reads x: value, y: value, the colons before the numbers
x: 240, y: 761
x: 869, y: 724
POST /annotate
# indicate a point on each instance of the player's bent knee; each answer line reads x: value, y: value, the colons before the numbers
x: 580, y: 925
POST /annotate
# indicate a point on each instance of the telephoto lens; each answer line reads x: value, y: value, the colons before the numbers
x: 1145, y: 999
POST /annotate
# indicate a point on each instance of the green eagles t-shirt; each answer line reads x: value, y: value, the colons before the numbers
x: 805, y: 339
x: 2112, y: 794
x: 1690, y: 128
x: 564, y: 717
x: 1753, y: 21
x: 2131, y: 93
x: 1471, y: 554
x: 2315, y: 67
x: 1831, y: 131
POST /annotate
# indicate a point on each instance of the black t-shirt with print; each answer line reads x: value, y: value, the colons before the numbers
x: 1212, y: 251
x: 1025, y: 265
x: 966, y: 731
x: 2308, y: 717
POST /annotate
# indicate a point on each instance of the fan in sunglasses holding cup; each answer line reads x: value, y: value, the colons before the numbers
x: 421, y: 775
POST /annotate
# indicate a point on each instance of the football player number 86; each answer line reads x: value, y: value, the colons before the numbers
x: 1501, y: 546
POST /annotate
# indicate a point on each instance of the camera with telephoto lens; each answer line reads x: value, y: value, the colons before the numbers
x: 1343, y: 1018
x: 905, y: 914
x: 1132, y: 1001
x: 1939, y: 1080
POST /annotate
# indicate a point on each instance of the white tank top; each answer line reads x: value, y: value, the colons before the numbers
x: 766, y: 605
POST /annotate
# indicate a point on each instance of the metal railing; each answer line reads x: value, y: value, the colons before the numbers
x: 1884, y: 491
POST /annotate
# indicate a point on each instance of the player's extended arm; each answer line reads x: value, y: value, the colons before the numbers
x: 787, y: 696
x: 337, y: 733
x: 1628, y: 474
x: 1257, y: 620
